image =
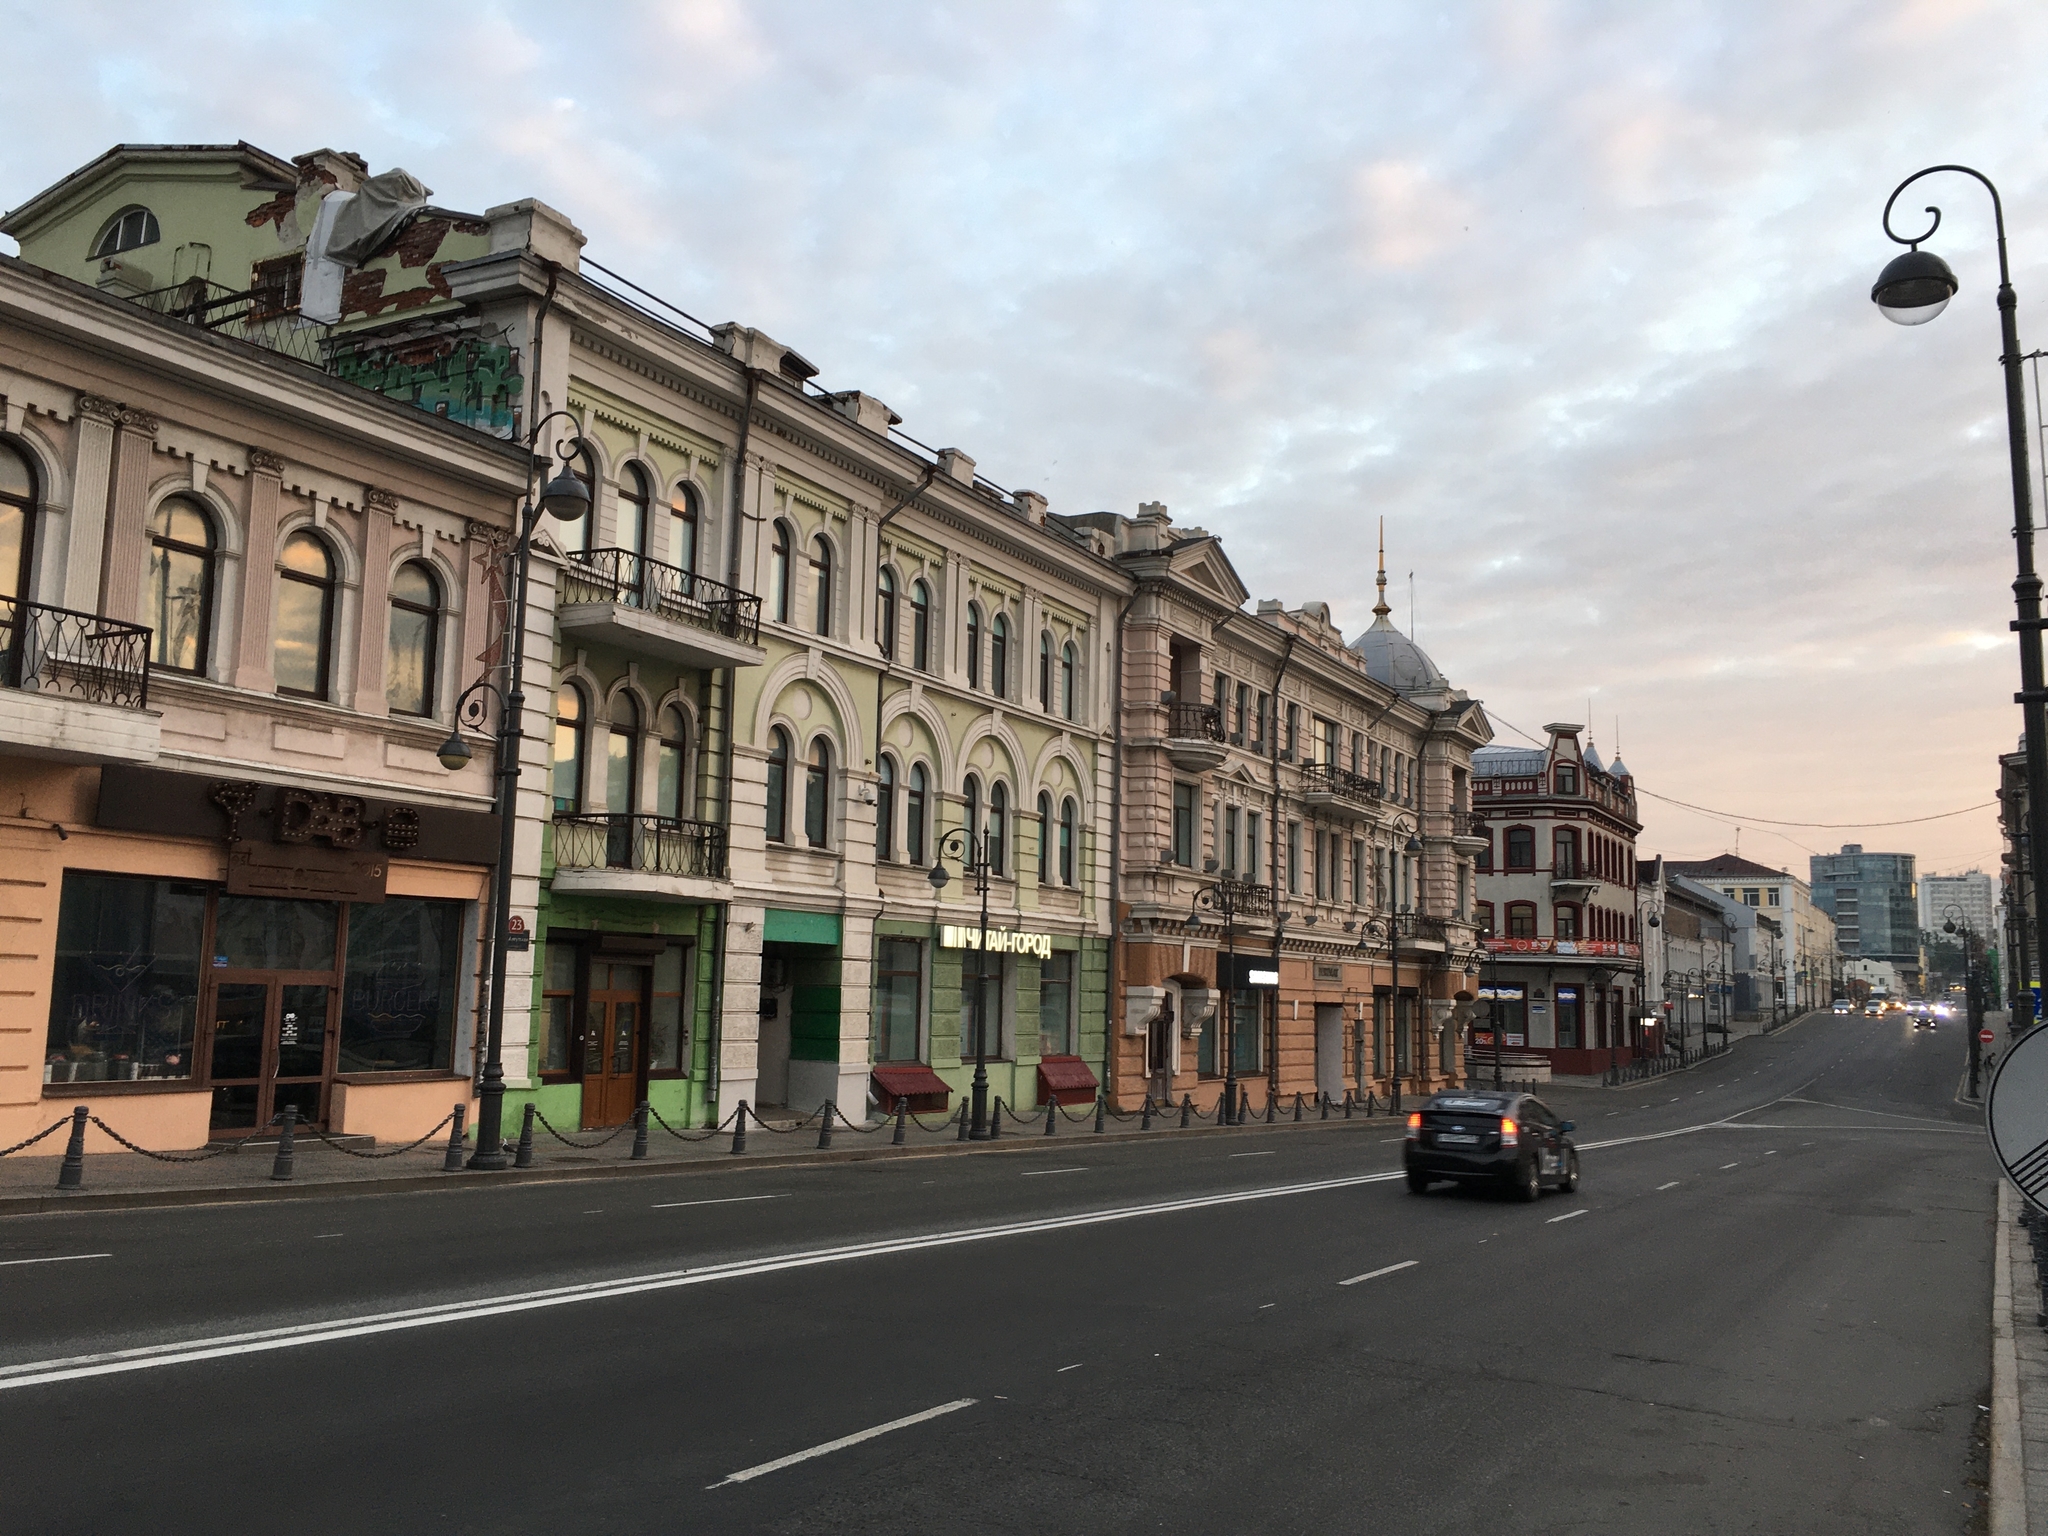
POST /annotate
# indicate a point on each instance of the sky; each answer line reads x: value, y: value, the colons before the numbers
x: 1574, y: 295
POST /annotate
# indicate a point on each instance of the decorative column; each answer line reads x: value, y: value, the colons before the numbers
x: 259, y: 567
x: 91, y: 479
x: 373, y: 628
x: 127, y: 527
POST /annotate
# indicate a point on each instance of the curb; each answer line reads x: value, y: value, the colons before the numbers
x: 2008, y: 1479
x: 1019, y: 1141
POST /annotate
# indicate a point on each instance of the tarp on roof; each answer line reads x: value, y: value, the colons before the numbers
x: 370, y: 218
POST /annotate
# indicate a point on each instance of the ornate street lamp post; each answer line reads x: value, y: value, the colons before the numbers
x: 1387, y: 929
x: 565, y: 498
x: 970, y: 850
x: 1957, y: 924
x: 1912, y: 290
x: 1228, y: 898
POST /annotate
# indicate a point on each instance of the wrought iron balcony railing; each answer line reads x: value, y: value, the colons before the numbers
x: 648, y: 845
x: 73, y: 655
x: 1233, y: 899
x: 1194, y: 722
x: 1328, y: 778
x: 635, y: 581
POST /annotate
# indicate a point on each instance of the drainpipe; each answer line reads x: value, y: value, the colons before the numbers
x: 1116, y: 805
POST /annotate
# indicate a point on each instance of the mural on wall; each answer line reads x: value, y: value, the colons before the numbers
x: 471, y: 377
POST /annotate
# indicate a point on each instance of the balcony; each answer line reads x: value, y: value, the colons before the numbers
x: 615, y: 597
x: 74, y: 687
x: 1571, y: 883
x: 1470, y: 831
x: 1327, y: 787
x: 1194, y: 737
x: 625, y: 854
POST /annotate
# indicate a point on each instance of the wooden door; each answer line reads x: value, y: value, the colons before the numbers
x: 614, y: 1046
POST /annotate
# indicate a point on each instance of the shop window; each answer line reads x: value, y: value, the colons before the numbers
x: 778, y: 785
x: 778, y: 574
x: 885, y: 612
x: 683, y: 524
x: 303, y: 655
x: 1248, y: 1031
x: 920, y: 626
x: 558, y: 1006
x: 17, y: 521
x: 568, y: 768
x: 1521, y: 920
x: 668, y: 1036
x: 400, y: 990
x: 1044, y: 838
x: 1184, y: 801
x: 1521, y: 847
x: 817, y: 794
x: 670, y: 788
x: 821, y: 584
x: 999, y: 656
x: 899, y: 994
x: 179, y: 606
x: 263, y: 933
x: 124, y: 996
x: 914, y: 814
x: 409, y: 660
x: 991, y: 983
x: 1568, y: 1018
x: 1056, y: 1004
x: 1068, y: 816
x: 885, y: 808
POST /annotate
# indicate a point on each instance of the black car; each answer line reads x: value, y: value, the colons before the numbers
x: 1510, y: 1139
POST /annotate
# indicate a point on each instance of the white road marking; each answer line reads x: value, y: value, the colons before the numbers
x: 1772, y: 1153
x: 318, y: 1235
x: 1066, y: 1368
x: 1375, y: 1274
x: 1252, y: 1154
x: 1726, y: 1166
x: 677, y: 1205
x: 1567, y: 1216
x: 145, y: 1357
x: 1039, y: 1173
x: 61, y: 1258
x: 749, y: 1473
x: 1672, y: 1185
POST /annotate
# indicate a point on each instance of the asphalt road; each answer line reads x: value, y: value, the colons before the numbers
x: 1765, y: 1311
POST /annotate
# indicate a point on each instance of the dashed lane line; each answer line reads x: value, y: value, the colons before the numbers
x: 749, y: 1473
x: 60, y: 1258
x: 1567, y: 1216
x: 1672, y: 1185
x: 1376, y: 1273
x: 677, y: 1205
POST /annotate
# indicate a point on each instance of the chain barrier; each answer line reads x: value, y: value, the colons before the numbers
x: 1086, y: 1114
x: 581, y: 1146
x: 945, y: 1124
x: 411, y: 1146
x: 704, y: 1135
x: 167, y: 1157
x: 48, y: 1130
x: 843, y: 1124
x: 786, y: 1130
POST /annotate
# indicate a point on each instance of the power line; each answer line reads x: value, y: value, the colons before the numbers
x: 1832, y: 826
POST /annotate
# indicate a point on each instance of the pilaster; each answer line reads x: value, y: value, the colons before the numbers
x: 127, y: 541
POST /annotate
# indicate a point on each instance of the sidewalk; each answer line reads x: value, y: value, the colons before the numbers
x: 2019, y: 1371
x: 128, y: 1180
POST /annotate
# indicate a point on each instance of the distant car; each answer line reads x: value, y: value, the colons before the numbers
x: 1845, y: 1007
x: 1511, y: 1140
x: 1923, y: 1021
x: 1873, y: 1010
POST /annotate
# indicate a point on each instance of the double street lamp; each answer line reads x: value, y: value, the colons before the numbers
x: 1913, y: 289
x: 971, y: 850
x: 565, y: 498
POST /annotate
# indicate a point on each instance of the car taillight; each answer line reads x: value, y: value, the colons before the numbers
x: 1415, y: 1125
x: 1510, y: 1133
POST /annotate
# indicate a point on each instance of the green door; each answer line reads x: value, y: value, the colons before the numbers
x: 814, y: 1024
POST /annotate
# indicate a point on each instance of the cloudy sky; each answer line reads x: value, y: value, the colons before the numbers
x: 1575, y: 295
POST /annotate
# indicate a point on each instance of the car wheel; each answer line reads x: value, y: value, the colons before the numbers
x: 1569, y: 1184
x: 1417, y: 1184
x: 1529, y: 1182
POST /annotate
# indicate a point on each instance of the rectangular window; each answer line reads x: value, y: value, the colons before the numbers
x: 1485, y: 919
x: 1565, y: 854
x: 668, y: 1036
x: 1230, y: 831
x: 1291, y: 748
x: 1248, y: 1033
x: 1260, y: 714
x: 1056, y: 1004
x: 124, y: 998
x: 899, y: 988
x: 1567, y: 922
x: 1358, y: 872
x: 997, y: 973
x: 1331, y: 742
x: 1323, y: 871
x: 399, y: 991
x: 1357, y: 751
x: 558, y: 1003
x: 1244, y: 697
x: 1184, y: 814
x: 1750, y: 896
x: 1521, y: 921
x: 1254, y: 844
x: 1294, y: 857
x: 1771, y: 897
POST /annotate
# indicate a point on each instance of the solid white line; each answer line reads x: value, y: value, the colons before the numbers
x: 1066, y: 1368
x: 1375, y: 1274
x: 843, y: 1442
x: 1039, y: 1173
x: 677, y: 1205
x: 145, y: 1357
x: 1726, y: 1166
x: 1672, y: 1185
x: 1567, y: 1216
x: 1253, y: 1154
x: 62, y: 1258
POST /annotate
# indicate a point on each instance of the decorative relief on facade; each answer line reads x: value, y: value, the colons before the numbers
x: 377, y: 499
x: 99, y: 407
x: 263, y: 461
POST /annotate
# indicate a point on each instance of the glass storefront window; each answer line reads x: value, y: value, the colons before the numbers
x: 995, y: 1045
x: 401, y: 987
x: 899, y: 975
x: 261, y: 933
x: 665, y: 1037
x: 1249, y: 1035
x: 1056, y: 1004
x: 558, y: 996
x: 124, y: 999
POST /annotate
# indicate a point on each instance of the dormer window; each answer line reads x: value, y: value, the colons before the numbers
x: 130, y: 228
x: 1567, y: 779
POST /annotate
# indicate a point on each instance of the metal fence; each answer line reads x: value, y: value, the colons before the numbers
x: 650, y: 845
x: 73, y: 655
x: 1194, y: 722
x: 1328, y: 778
x: 634, y: 581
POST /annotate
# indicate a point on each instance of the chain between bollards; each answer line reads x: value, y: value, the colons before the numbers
x: 453, y: 1162
x: 523, y: 1158
x: 72, y: 1174
x: 281, y: 1165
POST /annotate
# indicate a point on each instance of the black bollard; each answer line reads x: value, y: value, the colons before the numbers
x: 452, y: 1163
x: 1145, y: 1115
x: 1326, y: 1106
x: 902, y: 1118
x: 523, y: 1158
x: 739, y: 1129
x: 1052, y: 1113
x: 281, y: 1165
x: 825, y: 1128
x: 640, y: 1132
x: 72, y: 1174
x: 1187, y: 1108
x: 1270, y: 1106
x: 1297, y: 1109
x: 995, y: 1119
x: 1244, y: 1107
x: 963, y: 1122
x: 1101, y: 1112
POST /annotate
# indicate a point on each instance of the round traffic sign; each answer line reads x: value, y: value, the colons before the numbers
x: 2016, y: 1115
x: 1986, y: 1036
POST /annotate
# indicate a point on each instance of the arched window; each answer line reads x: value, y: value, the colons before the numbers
x: 920, y: 626
x: 885, y: 611
x: 1564, y: 860
x: 914, y: 814
x: 974, y: 645
x: 409, y: 656
x: 1067, y: 687
x: 622, y: 757
x: 128, y: 229
x: 1044, y: 837
x: 179, y: 607
x: 998, y: 828
x: 17, y: 521
x: 1521, y: 848
x: 970, y: 792
x: 669, y: 761
x: 999, y: 657
x: 1068, y: 816
x: 778, y: 785
x: 569, y: 728
x: 817, y: 790
x: 682, y: 527
x: 634, y: 499
x: 305, y: 616
x: 1045, y: 670
x: 821, y: 579
x: 885, y: 807
x: 778, y: 575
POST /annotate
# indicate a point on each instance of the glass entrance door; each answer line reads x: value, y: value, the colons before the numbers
x: 270, y: 1044
x: 612, y: 1043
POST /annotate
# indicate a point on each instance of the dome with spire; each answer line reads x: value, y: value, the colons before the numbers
x: 1391, y: 657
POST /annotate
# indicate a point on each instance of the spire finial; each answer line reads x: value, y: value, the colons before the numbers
x: 1380, y: 609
